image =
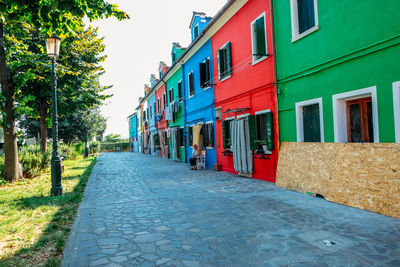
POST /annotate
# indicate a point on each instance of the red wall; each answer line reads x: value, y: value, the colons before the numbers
x: 162, y: 124
x: 250, y: 86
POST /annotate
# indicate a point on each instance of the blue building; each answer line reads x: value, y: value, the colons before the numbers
x: 151, y: 110
x: 198, y: 78
x: 133, y: 131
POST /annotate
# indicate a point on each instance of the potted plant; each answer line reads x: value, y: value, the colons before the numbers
x: 263, y: 143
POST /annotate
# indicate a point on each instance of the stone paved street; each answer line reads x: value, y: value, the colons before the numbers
x: 142, y: 210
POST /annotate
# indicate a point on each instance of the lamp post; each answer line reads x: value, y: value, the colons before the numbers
x: 53, y: 49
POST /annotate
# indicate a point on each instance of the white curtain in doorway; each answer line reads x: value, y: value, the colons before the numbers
x: 240, y: 138
x: 174, y: 132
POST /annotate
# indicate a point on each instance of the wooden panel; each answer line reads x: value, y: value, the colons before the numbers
x: 365, y: 176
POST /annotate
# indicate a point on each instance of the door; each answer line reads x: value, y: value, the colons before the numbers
x: 359, y: 120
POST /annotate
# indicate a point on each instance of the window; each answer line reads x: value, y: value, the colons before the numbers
x: 161, y: 74
x: 151, y: 112
x: 261, y: 129
x: 359, y: 120
x: 173, y: 57
x: 309, y: 121
x: 171, y: 95
x: 205, y: 80
x: 195, y: 32
x: 154, y: 108
x: 259, y: 39
x: 396, y: 108
x: 144, y: 115
x: 180, y: 90
x: 224, y: 61
x: 355, y: 116
x: 304, y: 18
x: 226, y: 133
x: 208, y: 135
x: 158, y: 106
x: 164, y: 97
x: 191, y: 84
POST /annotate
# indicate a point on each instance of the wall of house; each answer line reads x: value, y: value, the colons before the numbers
x: 356, y: 46
x: 250, y: 86
x: 200, y: 107
x: 340, y: 174
x: 172, y: 82
x: 162, y: 124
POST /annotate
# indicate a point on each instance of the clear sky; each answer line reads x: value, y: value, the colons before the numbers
x: 136, y: 46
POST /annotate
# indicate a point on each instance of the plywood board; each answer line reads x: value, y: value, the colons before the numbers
x: 365, y: 176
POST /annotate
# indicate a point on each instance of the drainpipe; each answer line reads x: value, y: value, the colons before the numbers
x: 184, y: 108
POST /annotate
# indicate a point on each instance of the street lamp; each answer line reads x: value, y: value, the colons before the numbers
x: 53, y: 49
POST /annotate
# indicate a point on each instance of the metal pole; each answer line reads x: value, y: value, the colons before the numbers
x: 56, y: 188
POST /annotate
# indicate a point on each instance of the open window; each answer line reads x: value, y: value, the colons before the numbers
x: 205, y: 77
x: 355, y: 116
x: 224, y: 62
x: 191, y: 84
x: 304, y: 15
x: 164, y: 96
x: 259, y: 39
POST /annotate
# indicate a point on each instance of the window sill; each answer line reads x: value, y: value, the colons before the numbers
x: 255, y: 62
x: 224, y: 78
x: 191, y: 96
x: 303, y: 34
x: 208, y: 147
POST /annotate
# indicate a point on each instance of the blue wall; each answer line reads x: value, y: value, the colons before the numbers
x: 200, y: 107
x: 150, y: 103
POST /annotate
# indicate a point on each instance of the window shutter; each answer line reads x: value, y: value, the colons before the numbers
x: 228, y: 58
x: 260, y: 36
x: 219, y: 64
x: 270, y: 131
x: 211, y: 134
x: 310, y: 14
x: 180, y: 90
x: 253, y: 132
x: 224, y: 134
x: 208, y: 75
x: 191, y: 80
x: 202, y: 74
x: 204, y: 129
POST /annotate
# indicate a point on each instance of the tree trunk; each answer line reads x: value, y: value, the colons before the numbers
x: 43, y: 125
x: 11, y: 164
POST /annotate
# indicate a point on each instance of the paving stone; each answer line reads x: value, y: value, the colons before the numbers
x: 141, y: 210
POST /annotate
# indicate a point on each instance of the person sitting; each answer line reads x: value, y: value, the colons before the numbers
x: 195, y: 155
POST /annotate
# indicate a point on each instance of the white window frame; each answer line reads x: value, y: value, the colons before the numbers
x: 299, y: 118
x: 295, y: 21
x: 396, y: 109
x: 340, y: 113
x: 255, y: 61
x: 262, y: 112
x: 169, y: 94
x: 190, y: 96
x: 219, y: 73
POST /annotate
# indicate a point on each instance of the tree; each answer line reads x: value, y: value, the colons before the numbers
x: 112, y: 138
x: 78, y: 86
x: 62, y: 17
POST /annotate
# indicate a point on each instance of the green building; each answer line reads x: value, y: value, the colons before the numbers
x: 338, y: 87
x: 175, y: 91
x: 338, y: 68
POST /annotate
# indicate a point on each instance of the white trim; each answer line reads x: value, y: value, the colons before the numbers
x: 295, y: 21
x: 242, y: 116
x: 255, y: 61
x: 299, y: 118
x: 229, y: 118
x: 340, y: 114
x: 262, y: 112
x: 190, y: 96
x: 200, y: 123
x: 209, y: 68
x: 208, y: 122
x: 396, y: 109
x: 192, y: 125
x: 225, y: 78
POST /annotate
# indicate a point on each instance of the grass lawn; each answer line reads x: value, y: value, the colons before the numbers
x: 34, y: 226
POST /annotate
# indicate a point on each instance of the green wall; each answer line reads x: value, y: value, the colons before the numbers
x: 172, y: 82
x: 356, y: 46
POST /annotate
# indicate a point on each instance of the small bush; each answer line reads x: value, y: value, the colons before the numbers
x: 113, y: 146
x: 94, y: 147
x: 31, y: 163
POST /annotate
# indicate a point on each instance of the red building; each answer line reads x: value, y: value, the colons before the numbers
x: 245, y: 98
x: 161, y: 123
